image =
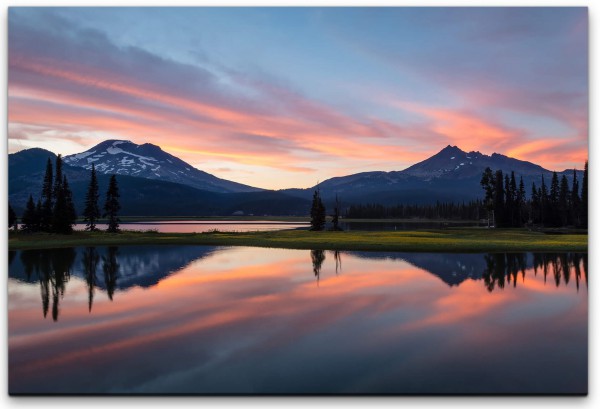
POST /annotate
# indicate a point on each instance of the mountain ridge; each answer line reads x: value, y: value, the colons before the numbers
x: 123, y: 157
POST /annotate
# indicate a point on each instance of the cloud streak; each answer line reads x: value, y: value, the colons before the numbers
x: 73, y: 81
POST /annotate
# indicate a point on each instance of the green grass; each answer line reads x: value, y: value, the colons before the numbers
x: 446, y: 240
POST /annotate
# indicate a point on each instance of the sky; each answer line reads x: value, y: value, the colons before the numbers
x: 287, y: 97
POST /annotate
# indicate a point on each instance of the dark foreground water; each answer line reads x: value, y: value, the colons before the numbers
x: 196, y: 319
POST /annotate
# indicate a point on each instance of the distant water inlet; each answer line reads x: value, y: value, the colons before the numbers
x: 198, y: 226
x: 212, y: 320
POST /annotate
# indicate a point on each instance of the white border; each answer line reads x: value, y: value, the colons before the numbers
x: 264, y: 402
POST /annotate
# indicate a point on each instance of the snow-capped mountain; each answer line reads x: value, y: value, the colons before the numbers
x: 150, y: 162
x: 455, y: 163
x: 451, y: 175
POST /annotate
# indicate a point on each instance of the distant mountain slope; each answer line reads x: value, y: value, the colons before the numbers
x: 450, y: 175
x: 158, y: 183
x: 144, y: 197
x: 150, y: 162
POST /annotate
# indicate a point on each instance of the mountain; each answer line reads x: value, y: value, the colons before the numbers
x: 141, y: 196
x: 150, y: 162
x: 159, y: 184
x: 451, y: 175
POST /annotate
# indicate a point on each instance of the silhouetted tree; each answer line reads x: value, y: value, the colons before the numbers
x: 12, y: 218
x: 575, y: 201
x: 335, y: 218
x: 112, y: 206
x: 91, y: 213
x: 64, y: 210
x: 487, y: 182
x: 521, y: 203
x: 584, y: 197
x: 544, y: 203
x: 317, y: 212
x: 30, y: 220
x: 47, y: 199
x: 499, y: 210
x: 563, y: 201
x: 554, y: 218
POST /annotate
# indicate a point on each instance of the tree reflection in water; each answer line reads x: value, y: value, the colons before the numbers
x: 53, y: 269
x: 90, y: 263
x: 111, y: 269
x: 503, y: 268
x: 317, y: 257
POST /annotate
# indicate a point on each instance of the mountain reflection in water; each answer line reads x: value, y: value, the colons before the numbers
x: 197, y: 319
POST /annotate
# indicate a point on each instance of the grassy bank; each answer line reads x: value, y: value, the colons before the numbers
x: 447, y: 240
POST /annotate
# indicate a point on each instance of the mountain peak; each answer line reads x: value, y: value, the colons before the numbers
x: 123, y: 157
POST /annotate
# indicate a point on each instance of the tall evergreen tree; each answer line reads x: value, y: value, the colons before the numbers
x: 584, y: 197
x: 544, y: 203
x: 487, y: 182
x: 336, y: 214
x: 47, y: 199
x: 534, y: 208
x: 71, y: 213
x: 521, y: 200
x: 317, y: 212
x: 58, y: 178
x: 563, y: 201
x: 499, y: 211
x: 91, y: 213
x: 575, y: 201
x: 12, y: 218
x: 63, y: 217
x: 554, y: 201
x: 29, y: 222
x: 112, y: 206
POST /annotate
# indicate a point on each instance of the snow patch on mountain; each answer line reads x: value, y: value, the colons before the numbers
x: 150, y: 162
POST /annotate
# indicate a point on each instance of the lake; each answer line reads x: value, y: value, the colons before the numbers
x: 242, y: 320
x: 201, y: 226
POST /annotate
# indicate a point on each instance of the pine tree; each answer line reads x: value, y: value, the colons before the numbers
x: 58, y: 179
x: 317, y: 212
x: 28, y: 221
x: 112, y: 206
x: 544, y: 203
x: 336, y: 215
x: 535, y: 216
x: 91, y: 213
x: 584, y: 197
x: 47, y: 199
x: 554, y: 201
x: 499, y: 211
x: 521, y: 202
x: 64, y: 211
x: 575, y: 200
x: 563, y: 201
x: 39, y: 211
x: 12, y: 217
x: 487, y: 182
x: 71, y: 215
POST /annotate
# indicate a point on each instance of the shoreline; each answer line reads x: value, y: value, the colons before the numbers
x: 450, y: 240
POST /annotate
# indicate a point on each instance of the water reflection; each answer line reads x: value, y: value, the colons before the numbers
x: 317, y: 257
x: 192, y: 319
x: 142, y: 267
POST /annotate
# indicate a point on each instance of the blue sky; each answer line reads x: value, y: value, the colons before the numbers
x: 283, y: 97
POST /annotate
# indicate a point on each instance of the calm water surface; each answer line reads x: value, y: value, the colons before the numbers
x: 199, y: 226
x: 197, y: 319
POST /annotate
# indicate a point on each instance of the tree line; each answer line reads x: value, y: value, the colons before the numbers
x: 558, y: 205
x: 55, y: 212
x: 472, y: 210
